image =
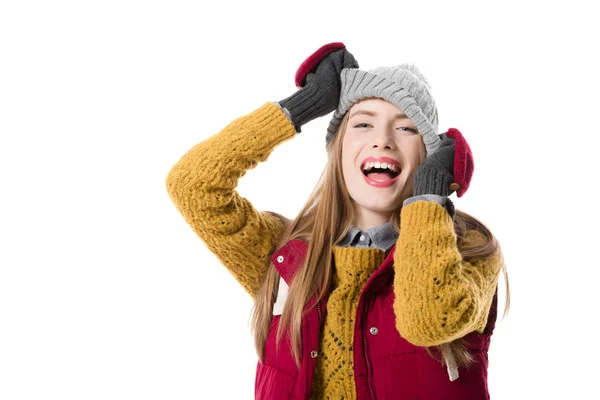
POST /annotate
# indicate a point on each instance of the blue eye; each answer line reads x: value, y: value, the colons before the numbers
x: 404, y: 128
x: 408, y: 129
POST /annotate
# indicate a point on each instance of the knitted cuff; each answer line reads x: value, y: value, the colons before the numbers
x: 441, y: 200
x: 285, y: 111
x: 305, y: 105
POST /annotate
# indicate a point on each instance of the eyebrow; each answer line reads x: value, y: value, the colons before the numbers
x: 373, y: 114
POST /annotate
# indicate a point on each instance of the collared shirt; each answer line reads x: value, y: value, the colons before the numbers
x: 383, y: 236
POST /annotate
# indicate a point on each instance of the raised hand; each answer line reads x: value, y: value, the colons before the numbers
x: 447, y: 170
x: 319, y: 82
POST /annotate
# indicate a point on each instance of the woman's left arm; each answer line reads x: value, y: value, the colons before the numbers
x: 439, y: 296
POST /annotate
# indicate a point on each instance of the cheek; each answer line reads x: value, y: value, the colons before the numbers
x: 350, y: 151
x: 352, y: 144
x: 413, y: 152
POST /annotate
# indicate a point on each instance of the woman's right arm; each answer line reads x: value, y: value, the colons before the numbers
x: 202, y: 186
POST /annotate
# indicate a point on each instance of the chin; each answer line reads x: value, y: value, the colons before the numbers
x: 380, y: 206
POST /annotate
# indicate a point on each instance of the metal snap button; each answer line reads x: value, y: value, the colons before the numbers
x: 280, y: 259
x: 374, y: 330
x: 362, y: 237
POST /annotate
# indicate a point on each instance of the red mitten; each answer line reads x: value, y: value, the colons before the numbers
x: 312, y: 61
x: 463, y: 162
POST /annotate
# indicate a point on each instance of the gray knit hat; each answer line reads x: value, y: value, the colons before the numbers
x: 403, y: 85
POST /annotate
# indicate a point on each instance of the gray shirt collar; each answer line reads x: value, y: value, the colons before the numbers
x: 383, y: 236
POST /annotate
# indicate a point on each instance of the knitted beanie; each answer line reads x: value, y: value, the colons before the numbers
x: 403, y: 85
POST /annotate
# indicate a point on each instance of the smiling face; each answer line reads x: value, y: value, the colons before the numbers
x: 379, y: 132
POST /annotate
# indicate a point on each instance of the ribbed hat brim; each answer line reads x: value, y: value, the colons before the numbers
x: 358, y: 84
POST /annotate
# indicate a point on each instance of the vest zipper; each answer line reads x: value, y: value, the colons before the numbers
x: 369, y: 379
x: 318, y: 305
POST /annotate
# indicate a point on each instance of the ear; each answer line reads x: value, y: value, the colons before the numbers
x: 463, y: 161
x: 311, y: 62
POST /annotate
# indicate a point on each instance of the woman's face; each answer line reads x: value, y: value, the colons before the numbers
x: 379, y: 132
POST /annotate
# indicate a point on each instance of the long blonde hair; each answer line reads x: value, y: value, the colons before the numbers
x: 324, y: 221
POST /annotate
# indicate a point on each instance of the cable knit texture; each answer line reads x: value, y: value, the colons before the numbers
x: 202, y: 186
x: 334, y: 375
x: 439, y: 296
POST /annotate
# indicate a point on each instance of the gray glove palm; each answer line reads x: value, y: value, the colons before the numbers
x: 435, y: 175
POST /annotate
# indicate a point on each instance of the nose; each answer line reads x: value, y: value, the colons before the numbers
x: 383, y: 137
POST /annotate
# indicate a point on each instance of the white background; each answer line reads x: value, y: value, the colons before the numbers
x: 106, y: 292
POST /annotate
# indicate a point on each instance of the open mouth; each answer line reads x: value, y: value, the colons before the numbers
x: 380, y: 174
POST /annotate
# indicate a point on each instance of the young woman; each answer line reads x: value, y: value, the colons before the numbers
x: 379, y: 288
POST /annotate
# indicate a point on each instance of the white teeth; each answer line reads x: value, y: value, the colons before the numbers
x: 370, y: 165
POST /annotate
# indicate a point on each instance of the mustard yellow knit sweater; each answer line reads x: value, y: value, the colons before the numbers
x: 439, y: 297
x: 334, y: 374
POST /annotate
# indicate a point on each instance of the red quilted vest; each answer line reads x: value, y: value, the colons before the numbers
x: 385, y: 365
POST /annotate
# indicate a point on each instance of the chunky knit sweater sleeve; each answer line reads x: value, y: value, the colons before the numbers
x: 202, y: 186
x: 439, y: 296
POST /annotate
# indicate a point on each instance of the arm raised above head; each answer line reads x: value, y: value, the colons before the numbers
x: 202, y: 187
